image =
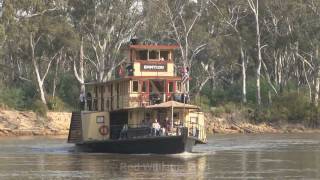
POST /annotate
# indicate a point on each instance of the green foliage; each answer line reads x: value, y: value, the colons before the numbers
x: 290, y: 107
x: 202, y: 101
x: 17, y: 98
x: 55, y: 104
x: 230, y: 107
x: 12, y: 98
x: 217, y: 111
x: 223, y: 94
x: 68, y: 90
x: 39, y: 108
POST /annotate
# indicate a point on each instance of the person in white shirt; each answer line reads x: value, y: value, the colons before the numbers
x: 82, y: 99
x: 155, y: 127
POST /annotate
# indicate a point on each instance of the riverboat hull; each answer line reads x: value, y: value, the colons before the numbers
x: 145, y: 145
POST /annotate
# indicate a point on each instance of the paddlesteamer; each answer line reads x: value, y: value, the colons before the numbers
x: 118, y: 115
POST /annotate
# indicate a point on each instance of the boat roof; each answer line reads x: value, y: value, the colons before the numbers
x: 152, y: 46
x: 135, y: 78
x: 173, y: 104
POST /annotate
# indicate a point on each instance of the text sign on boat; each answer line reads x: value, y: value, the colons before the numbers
x: 153, y: 67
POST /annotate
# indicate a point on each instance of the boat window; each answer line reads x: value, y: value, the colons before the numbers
x: 101, y: 90
x: 179, y: 86
x: 144, y: 86
x: 176, y: 115
x: 148, y: 116
x: 157, y: 86
x: 142, y: 55
x: 110, y: 90
x: 164, y: 55
x: 153, y: 54
x: 95, y: 91
x: 100, y: 119
x: 194, y: 120
x: 135, y: 86
x: 171, y: 86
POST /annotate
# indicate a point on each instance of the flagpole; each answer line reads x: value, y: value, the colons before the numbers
x: 172, y: 116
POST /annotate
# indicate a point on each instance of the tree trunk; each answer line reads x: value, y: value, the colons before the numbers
x: 36, y: 68
x: 317, y: 79
x: 81, y: 61
x: 55, y: 78
x: 259, y: 63
x: 80, y: 76
x: 255, y: 9
x: 244, y: 76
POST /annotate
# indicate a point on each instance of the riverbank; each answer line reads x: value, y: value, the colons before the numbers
x: 234, y: 123
x: 26, y: 123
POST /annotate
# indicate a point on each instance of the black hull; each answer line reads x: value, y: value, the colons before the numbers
x: 153, y: 145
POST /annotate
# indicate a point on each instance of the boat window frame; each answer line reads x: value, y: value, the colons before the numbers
x: 100, y: 120
x: 133, y: 86
x: 193, y: 117
x: 166, y: 54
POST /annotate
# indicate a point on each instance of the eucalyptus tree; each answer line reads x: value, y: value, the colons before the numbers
x: 254, y: 6
x: 182, y: 18
x: 106, y: 26
x: 39, y: 29
x: 231, y: 14
x: 79, y: 16
x: 313, y: 44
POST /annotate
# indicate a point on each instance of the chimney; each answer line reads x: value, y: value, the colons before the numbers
x: 134, y: 40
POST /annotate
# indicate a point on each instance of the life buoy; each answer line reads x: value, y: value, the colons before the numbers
x: 104, y: 130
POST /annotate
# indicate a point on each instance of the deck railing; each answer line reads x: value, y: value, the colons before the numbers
x: 133, y: 100
x: 132, y: 131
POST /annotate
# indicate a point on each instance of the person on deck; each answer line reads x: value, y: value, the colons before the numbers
x: 124, y: 132
x: 168, y: 125
x: 155, y: 128
x: 130, y: 69
x: 82, y: 99
x: 89, y: 101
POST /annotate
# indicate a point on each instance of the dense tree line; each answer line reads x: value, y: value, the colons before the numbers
x: 252, y: 52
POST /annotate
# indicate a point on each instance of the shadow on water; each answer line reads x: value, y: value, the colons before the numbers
x: 292, y: 156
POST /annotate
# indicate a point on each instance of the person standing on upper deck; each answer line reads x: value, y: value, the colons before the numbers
x: 82, y: 99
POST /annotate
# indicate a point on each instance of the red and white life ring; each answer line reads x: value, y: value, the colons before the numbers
x: 104, y: 130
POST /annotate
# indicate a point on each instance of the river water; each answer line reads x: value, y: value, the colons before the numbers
x: 267, y: 156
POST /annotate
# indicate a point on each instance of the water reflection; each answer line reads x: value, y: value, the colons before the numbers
x: 225, y: 157
x: 140, y: 166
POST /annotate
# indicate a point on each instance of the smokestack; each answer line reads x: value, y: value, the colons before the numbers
x: 134, y: 40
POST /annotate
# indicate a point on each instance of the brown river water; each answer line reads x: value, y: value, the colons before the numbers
x: 262, y: 156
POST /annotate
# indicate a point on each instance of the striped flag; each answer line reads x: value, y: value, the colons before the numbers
x: 185, y: 77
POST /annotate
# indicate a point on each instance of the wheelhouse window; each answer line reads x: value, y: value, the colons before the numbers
x: 142, y: 55
x: 164, y: 55
x: 135, y: 86
x: 153, y: 54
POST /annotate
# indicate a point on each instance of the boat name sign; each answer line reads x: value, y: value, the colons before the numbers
x: 154, y: 67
